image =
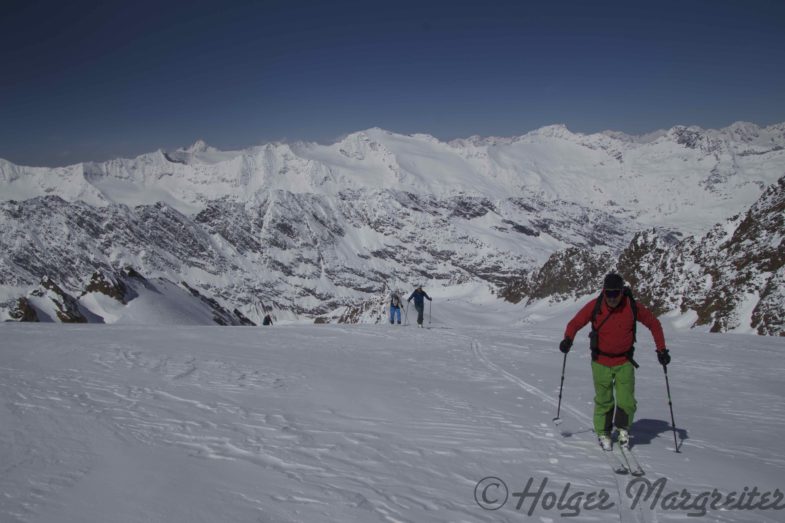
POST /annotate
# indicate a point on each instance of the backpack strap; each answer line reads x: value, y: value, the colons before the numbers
x: 629, y: 355
x: 598, y: 306
x: 596, y: 312
x: 595, y: 331
x: 628, y: 294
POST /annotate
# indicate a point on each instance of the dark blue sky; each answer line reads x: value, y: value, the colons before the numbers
x: 80, y: 81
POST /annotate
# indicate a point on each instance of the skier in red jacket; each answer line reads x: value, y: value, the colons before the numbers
x: 613, y: 317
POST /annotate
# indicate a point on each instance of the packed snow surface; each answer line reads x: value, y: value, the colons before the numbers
x: 367, y: 423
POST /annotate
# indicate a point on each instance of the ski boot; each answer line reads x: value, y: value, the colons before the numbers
x: 623, y: 437
x: 605, y: 442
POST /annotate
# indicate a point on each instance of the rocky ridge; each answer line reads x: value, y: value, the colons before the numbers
x: 731, y: 278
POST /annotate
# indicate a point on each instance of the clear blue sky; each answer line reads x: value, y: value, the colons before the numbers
x: 81, y: 81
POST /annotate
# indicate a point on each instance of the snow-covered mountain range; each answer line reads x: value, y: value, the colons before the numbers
x: 322, y: 232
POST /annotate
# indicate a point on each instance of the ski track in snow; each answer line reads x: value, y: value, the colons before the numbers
x: 350, y: 423
x: 625, y: 513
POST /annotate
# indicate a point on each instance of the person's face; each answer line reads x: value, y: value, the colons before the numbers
x: 612, y: 297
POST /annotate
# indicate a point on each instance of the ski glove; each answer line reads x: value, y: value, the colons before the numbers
x: 664, y: 357
x: 565, y: 345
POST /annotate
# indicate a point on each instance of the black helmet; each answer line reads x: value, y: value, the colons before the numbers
x: 613, y: 281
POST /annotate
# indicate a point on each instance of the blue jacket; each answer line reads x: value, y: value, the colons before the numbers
x: 419, y: 296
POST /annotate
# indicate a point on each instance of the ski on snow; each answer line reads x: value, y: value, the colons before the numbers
x: 633, y: 465
x: 617, y: 463
x: 623, y: 461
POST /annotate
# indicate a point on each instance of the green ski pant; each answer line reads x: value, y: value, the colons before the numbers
x: 607, y: 379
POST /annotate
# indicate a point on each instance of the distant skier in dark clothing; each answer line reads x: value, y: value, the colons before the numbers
x: 419, y: 296
x: 267, y: 320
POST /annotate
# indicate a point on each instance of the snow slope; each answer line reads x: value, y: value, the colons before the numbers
x: 364, y: 423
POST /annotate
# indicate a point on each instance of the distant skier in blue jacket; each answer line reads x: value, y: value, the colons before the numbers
x: 419, y: 296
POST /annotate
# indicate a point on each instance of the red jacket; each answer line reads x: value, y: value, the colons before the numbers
x: 616, y: 333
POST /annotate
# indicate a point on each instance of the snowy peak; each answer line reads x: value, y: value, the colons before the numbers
x: 553, y: 131
x: 743, y: 138
x: 743, y: 131
x: 199, y: 146
x: 200, y: 153
x: 692, y: 137
x: 359, y: 145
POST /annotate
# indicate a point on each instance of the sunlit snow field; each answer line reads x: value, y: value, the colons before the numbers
x: 368, y: 423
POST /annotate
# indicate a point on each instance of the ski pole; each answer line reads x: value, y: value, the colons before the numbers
x: 430, y: 304
x: 670, y: 405
x: 557, y: 419
x: 406, y: 314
